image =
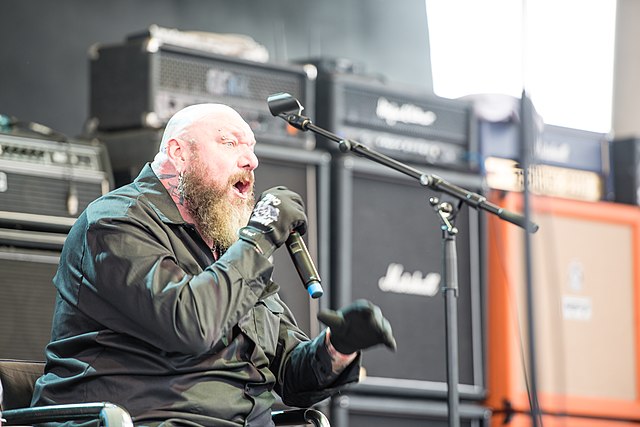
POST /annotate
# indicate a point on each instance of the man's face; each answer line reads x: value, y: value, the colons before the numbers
x: 217, y: 185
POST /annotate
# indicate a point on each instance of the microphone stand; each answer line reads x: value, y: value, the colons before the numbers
x: 288, y: 108
x: 447, y: 213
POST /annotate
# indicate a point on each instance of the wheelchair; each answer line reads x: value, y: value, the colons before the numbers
x: 18, y: 377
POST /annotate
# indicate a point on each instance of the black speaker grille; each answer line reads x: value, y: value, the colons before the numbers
x: 389, y: 251
x: 27, y: 299
x: 306, y: 173
x: 394, y: 224
x: 202, y: 76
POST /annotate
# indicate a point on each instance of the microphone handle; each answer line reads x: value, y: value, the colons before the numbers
x: 304, y: 265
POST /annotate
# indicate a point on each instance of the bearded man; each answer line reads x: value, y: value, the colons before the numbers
x: 165, y: 302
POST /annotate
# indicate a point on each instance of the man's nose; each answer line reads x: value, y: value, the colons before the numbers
x: 248, y: 160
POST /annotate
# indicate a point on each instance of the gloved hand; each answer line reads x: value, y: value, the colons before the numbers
x: 358, y: 326
x: 278, y: 212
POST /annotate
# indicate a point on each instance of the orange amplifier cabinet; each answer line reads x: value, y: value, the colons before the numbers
x: 524, y: 420
x: 585, y: 269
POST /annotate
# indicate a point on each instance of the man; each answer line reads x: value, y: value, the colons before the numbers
x: 163, y: 310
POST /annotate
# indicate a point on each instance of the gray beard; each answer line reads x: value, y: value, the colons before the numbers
x: 215, y: 217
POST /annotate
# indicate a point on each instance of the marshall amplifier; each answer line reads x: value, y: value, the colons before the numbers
x: 416, y: 127
x: 387, y: 248
x: 45, y: 185
x: 566, y: 162
x: 143, y: 82
x: 557, y: 146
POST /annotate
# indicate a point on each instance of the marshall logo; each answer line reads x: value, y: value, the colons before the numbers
x: 393, y: 113
x: 399, y: 281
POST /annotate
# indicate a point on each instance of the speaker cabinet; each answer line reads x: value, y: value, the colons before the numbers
x: 361, y: 411
x: 585, y: 281
x: 28, y: 262
x: 144, y: 81
x: 387, y: 248
x: 308, y: 174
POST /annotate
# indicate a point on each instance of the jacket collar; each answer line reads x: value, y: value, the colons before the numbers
x: 158, y: 196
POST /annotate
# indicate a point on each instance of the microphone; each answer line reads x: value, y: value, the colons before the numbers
x: 287, y: 107
x: 304, y: 265
x: 283, y: 103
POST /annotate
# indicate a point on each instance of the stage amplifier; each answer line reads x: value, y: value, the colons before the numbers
x: 585, y: 281
x: 144, y: 81
x: 386, y: 246
x: 557, y: 146
x: 407, y: 125
x: 564, y: 162
x: 28, y: 261
x: 45, y: 185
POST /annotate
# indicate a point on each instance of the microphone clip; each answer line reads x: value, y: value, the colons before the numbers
x: 296, y: 120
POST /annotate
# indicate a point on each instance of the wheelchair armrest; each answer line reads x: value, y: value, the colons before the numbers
x: 295, y: 417
x: 111, y: 415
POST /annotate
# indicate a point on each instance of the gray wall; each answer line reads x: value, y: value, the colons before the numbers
x: 43, y: 49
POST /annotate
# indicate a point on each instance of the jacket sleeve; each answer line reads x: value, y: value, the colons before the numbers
x: 303, y: 368
x: 131, y: 282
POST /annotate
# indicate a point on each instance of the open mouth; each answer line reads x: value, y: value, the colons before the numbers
x: 244, y: 187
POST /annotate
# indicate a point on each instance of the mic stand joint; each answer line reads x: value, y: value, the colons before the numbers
x: 297, y: 121
x: 445, y: 211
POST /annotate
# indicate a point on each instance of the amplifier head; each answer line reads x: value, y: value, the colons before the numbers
x: 46, y: 184
x: 142, y: 83
x: 404, y: 124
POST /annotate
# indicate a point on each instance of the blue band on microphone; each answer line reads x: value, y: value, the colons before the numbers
x: 315, y: 290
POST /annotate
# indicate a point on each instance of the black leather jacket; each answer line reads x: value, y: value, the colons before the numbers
x: 147, y: 319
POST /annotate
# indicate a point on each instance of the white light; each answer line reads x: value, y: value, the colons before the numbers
x: 560, y: 51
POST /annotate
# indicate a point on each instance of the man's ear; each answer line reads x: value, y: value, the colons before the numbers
x: 177, y: 152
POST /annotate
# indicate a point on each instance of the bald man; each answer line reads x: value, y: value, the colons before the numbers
x: 165, y: 300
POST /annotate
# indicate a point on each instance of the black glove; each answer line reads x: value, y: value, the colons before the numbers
x: 357, y: 326
x: 278, y: 212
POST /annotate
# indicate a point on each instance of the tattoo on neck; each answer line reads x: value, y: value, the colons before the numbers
x: 165, y: 176
x: 171, y: 182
